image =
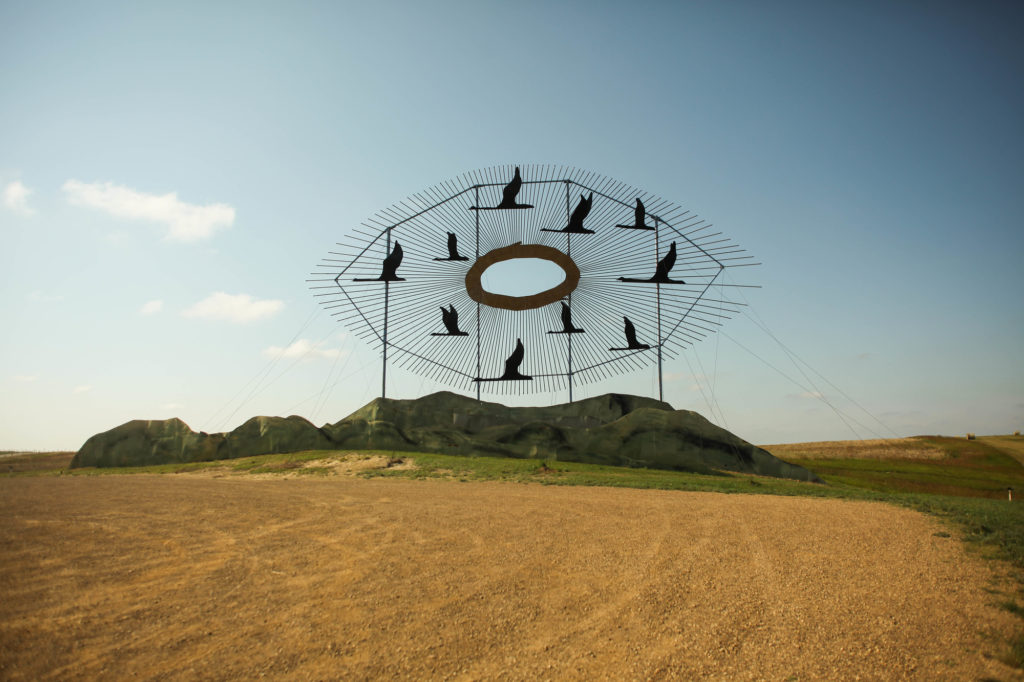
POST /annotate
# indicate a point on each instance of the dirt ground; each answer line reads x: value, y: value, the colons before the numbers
x: 180, y: 577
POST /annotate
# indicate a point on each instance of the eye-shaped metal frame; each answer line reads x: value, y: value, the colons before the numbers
x: 644, y: 280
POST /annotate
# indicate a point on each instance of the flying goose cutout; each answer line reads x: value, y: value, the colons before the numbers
x: 567, y: 327
x: 581, y: 211
x: 631, y: 342
x: 639, y: 218
x: 661, y: 272
x: 450, y: 319
x: 389, y: 273
x: 453, y: 248
x: 508, y: 196
x: 512, y: 372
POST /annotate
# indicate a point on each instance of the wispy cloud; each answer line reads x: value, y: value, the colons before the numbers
x: 43, y: 297
x: 303, y: 348
x: 697, y: 382
x: 185, y: 222
x: 902, y: 414
x: 151, y: 307
x: 25, y: 378
x: 15, y: 198
x: 172, y: 406
x: 807, y: 395
x: 85, y: 388
x: 233, y: 308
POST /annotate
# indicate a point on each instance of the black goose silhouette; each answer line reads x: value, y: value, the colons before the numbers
x: 639, y: 215
x: 631, y: 342
x: 581, y: 211
x: 661, y: 272
x: 389, y: 273
x: 567, y: 327
x: 512, y: 372
x: 508, y: 196
x: 453, y: 248
x: 450, y: 319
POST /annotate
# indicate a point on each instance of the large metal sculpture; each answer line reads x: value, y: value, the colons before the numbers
x: 638, y: 277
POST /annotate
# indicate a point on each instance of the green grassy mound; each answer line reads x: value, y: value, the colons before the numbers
x: 617, y: 430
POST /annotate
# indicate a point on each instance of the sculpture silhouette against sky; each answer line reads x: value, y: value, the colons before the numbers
x: 642, y: 280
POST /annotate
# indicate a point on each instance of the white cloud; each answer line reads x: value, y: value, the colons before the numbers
x: 25, y: 378
x: 234, y: 308
x: 172, y: 406
x: 303, y: 348
x: 85, y: 388
x: 185, y: 222
x: 15, y: 197
x: 151, y: 307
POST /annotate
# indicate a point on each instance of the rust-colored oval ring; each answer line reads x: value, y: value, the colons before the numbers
x: 477, y: 292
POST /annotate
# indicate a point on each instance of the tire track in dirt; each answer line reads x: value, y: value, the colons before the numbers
x: 180, y: 578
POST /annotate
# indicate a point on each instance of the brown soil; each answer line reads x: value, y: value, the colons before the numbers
x: 182, y: 578
x: 351, y: 464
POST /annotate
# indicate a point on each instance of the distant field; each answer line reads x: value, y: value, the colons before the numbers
x: 1011, y: 445
x: 34, y: 461
x: 877, y: 448
x: 940, y: 465
x: 915, y: 447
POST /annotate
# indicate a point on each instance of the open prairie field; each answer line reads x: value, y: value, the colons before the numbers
x: 871, y: 448
x: 34, y: 461
x: 211, y: 575
x: 1011, y: 445
x: 915, y: 447
x: 940, y: 465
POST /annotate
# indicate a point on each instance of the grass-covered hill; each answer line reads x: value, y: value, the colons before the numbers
x: 613, y: 429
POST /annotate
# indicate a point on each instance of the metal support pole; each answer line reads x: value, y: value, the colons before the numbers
x: 477, y: 203
x: 657, y: 256
x: 384, y: 365
x: 568, y: 252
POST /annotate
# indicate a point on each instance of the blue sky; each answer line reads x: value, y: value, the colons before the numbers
x: 170, y: 173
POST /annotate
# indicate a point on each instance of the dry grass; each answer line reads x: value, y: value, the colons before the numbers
x: 1011, y: 445
x: 876, y: 448
x: 19, y: 462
